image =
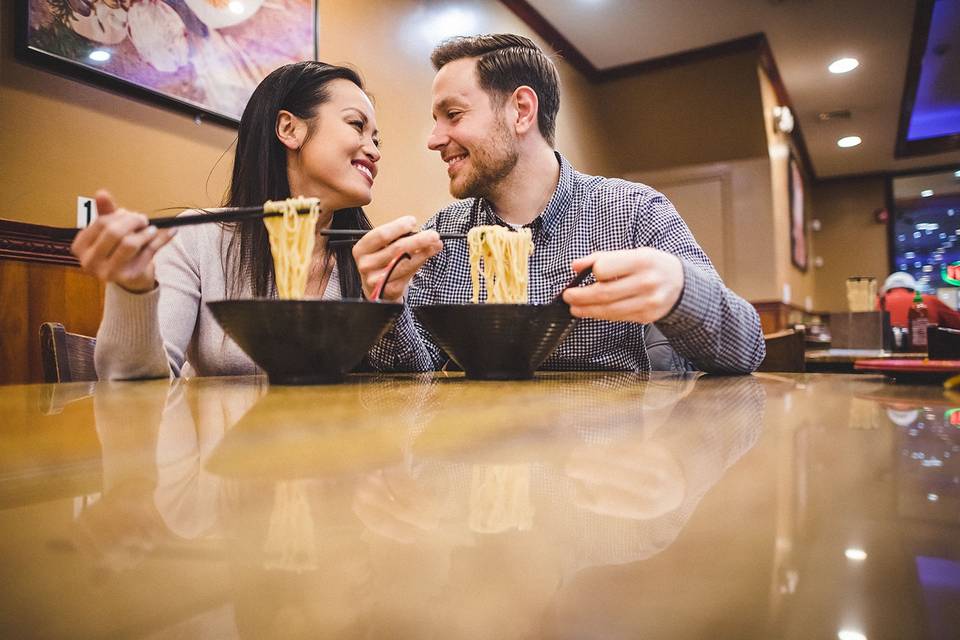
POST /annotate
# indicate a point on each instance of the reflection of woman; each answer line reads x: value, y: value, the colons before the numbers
x: 309, y: 129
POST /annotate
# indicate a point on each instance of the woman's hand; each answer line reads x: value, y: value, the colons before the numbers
x: 374, y: 251
x: 392, y: 504
x: 119, y: 246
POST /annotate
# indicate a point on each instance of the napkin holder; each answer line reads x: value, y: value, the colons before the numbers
x: 861, y: 330
x: 943, y: 343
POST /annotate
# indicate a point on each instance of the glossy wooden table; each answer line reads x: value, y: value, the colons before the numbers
x: 842, y: 360
x: 572, y: 506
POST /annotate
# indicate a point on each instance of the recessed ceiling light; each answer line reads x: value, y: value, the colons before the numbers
x: 99, y: 55
x: 926, y: 193
x: 849, y: 634
x: 849, y: 141
x: 843, y: 65
x: 855, y: 554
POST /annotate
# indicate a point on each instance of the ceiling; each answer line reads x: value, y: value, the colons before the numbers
x: 941, y: 183
x: 804, y: 36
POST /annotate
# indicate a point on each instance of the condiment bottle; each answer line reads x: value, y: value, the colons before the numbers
x: 918, y: 320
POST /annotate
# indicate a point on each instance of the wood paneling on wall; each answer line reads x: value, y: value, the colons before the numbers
x: 39, y: 282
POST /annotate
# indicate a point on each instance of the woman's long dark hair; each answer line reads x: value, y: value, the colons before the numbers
x: 260, y: 174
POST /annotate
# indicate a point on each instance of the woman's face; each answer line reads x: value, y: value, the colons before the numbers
x: 338, y: 160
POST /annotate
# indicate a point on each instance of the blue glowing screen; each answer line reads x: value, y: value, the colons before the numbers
x: 936, y: 111
x: 926, y: 235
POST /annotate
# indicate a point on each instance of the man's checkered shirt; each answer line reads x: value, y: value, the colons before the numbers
x: 710, y: 326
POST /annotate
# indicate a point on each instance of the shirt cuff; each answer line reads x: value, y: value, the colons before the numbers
x: 400, y: 349
x: 691, y: 309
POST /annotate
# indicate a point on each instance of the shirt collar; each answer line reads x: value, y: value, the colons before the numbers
x: 556, y: 206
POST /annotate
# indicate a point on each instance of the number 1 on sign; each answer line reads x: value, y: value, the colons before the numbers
x: 86, y: 211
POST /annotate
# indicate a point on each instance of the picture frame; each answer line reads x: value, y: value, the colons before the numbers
x: 200, y: 57
x: 799, y: 250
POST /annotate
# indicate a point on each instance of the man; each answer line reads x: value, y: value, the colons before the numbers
x: 495, y: 102
x: 897, y: 298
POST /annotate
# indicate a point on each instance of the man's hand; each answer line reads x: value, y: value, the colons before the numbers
x: 640, y: 481
x: 119, y: 246
x: 374, y: 251
x: 635, y: 285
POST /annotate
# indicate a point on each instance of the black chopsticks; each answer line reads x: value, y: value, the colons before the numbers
x: 341, y: 237
x: 576, y: 282
x: 236, y: 214
x: 223, y: 214
x: 239, y: 214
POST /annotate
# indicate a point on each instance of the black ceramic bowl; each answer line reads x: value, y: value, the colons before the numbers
x: 497, y: 341
x: 305, y: 341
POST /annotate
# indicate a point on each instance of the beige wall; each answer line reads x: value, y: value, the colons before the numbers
x: 61, y: 138
x: 850, y: 240
x: 727, y: 206
x: 706, y: 111
x: 697, y: 131
x: 795, y: 286
x: 387, y: 43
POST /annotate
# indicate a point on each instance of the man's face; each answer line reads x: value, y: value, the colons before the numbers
x: 471, y: 132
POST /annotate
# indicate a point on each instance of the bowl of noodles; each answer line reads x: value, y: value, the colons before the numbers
x: 506, y: 338
x: 294, y: 340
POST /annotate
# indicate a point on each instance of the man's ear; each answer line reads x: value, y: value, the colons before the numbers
x: 291, y: 130
x: 527, y: 105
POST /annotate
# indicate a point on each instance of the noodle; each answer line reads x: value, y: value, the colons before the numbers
x: 291, y: 543
x: 500, y: 498
x: 292, y: 237
x: 505, y: 255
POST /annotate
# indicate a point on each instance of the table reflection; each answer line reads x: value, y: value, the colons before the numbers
x: 416, y: 506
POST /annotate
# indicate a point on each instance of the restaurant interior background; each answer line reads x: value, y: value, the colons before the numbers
x: 657, y: 92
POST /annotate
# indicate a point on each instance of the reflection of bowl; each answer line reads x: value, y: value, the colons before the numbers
x: 226, y: 14
x: 305, y: 341
x: 497, y: 341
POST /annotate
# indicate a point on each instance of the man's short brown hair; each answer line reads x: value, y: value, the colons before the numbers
x: 504, y: 62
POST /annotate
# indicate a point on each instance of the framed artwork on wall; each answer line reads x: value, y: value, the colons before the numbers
x: 200, y: 56
x: 798, y: 217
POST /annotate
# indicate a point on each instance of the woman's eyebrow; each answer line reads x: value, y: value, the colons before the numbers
x: 360, y: 113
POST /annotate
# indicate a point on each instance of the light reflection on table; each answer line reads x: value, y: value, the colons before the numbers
x: 575, y: 505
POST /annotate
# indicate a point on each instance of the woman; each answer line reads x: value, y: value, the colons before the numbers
x: 309, y: 129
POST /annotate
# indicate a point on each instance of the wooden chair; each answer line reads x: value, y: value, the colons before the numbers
x: 66, y: 357
x: 785, y: 351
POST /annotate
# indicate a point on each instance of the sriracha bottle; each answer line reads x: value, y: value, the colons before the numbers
x: 918, y: 320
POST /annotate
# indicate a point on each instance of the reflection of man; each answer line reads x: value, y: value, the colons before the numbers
x: 897, y: 298
x: 636, y: 492
x: 495, y: 101
x: 596, y: 488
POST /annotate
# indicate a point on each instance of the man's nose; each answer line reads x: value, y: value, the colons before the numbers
x: 437, y: 139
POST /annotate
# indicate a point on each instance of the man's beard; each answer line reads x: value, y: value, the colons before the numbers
x: 488, y: 166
